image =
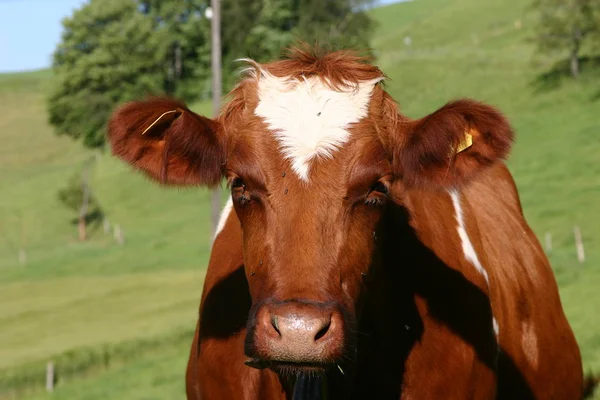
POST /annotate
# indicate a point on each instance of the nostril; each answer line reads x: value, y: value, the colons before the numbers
x: 275, y: 324
x: 323, y: 330
x: 296, y: 333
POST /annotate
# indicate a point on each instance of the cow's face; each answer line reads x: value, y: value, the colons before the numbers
x: 309, y: 182
x: 311, y: 161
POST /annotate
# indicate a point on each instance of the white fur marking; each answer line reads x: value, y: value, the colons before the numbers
x: 496, y: 327
x: 224, y: 216
x: 529, y: 343
x: 308, y: 118
x: 467, y: 246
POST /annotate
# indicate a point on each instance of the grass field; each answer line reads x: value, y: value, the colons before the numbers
x: 71, y: 298
x: 155, y: 376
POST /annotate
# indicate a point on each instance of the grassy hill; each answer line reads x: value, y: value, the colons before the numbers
x: 136, y: 304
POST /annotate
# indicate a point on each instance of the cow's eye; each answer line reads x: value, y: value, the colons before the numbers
x: 239, y: 193
x: 377, y: 194
x: 379, y: 187
x: 237, y: 183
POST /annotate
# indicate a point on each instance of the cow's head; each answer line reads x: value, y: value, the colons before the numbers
x: 313, y: 150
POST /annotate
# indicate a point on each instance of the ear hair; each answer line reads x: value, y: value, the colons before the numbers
x: 169, y: 142
x: 427, y: 155
x: 166, y: 118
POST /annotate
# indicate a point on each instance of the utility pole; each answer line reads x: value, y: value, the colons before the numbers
x: 215, y: 16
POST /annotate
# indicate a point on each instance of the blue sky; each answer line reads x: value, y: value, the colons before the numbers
x: 30, y: 30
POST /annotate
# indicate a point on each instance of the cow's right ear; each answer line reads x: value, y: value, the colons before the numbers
x: 167, y: 141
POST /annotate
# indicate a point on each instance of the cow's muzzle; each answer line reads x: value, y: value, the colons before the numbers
x: 295, y: 334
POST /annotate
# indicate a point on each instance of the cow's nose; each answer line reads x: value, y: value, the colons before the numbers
x: 297, y: 328
x: 298, y: 332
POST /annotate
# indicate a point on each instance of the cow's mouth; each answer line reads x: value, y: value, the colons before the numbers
x: 290, y: 368
x: 299, y: 369
x: 307, y: 380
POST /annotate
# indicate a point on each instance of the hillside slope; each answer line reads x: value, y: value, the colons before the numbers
x: 76, y: 296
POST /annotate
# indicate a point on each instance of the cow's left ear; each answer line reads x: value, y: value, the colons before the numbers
x: 450, y: 146
x: 169, y: 142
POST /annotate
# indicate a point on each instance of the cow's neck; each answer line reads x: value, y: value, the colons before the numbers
x: 421, y: 278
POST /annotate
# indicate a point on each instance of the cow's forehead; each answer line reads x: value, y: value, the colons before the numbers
x: 308, y: 117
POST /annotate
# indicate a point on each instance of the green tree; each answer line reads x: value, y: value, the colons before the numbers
x: 107, y: 54
x: 263, y: 29
x: 337, y: 23
x: 117, y: 50
x: 78, y: 197
x: 565, y: 26
x: 185, y: 34
x: 272, y: 32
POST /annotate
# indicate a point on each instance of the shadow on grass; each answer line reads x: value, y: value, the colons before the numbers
x: 590, y: 385
x: 560, y: 73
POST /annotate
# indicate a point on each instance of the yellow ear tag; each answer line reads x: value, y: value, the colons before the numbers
x: 462, y: 146
x: 161, y: 116
x: 465, y: 144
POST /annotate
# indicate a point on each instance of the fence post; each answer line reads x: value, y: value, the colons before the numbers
x: 119, y: 235
x: 579, y: 244
x: 22, y: 257
x: 548, y: 242
x: 50, y: 376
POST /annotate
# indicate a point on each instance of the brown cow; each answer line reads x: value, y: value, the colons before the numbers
x: 363, y: 254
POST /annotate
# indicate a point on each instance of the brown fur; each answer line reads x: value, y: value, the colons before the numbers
x: 373, y: 238
x: 424, y: 159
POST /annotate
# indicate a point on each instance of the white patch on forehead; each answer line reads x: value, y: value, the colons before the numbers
x: 308, y: 118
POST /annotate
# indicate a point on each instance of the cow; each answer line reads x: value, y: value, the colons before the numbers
x: 362, y: 254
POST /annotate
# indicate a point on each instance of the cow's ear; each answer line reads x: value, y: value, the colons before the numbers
x: 450, y: 146
x: 167, y: 141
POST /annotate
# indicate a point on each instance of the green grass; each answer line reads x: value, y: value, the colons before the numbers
x: 116, y: 308
x: 70, y: 297
x: 92, y: 361
x: 158, y: 375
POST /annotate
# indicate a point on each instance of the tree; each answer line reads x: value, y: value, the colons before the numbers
x: 263, y: 29
x: 78, y: 196
x: 564, y: 26
x: 337, y: 23
x: 185, y: 32
x: 272, y: 31
x: 118, y: 50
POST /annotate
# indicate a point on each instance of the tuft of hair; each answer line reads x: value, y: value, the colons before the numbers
x: 167, y: 141
x: 427, y: 153
x: 309, y: 387
x: 339, y: 69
